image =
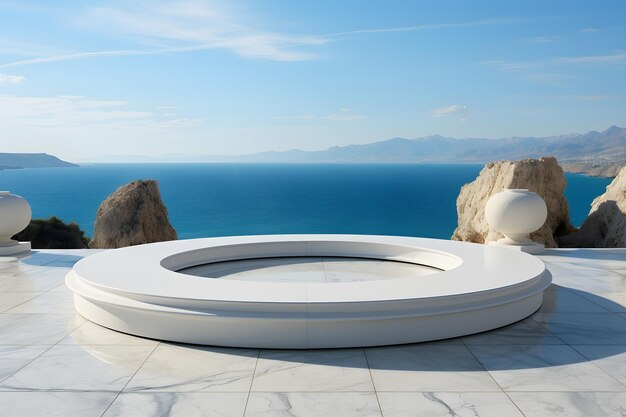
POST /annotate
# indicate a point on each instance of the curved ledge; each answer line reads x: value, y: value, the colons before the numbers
x: 137, y: 290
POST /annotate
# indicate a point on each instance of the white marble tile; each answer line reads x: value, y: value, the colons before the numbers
x: 525, y: 332
x: 611, y: 359
x: 39, y: 257
x: 65, y: 262
x: 11, y: 266
x: 589, y: 279
x: 358, y: 270
x: 428, y: 367
x: 181, y: 368
x: 74, y: 253
x: 8, y: 300
x: 614, y: 302
x: 612, y: 258
x: 13, y: 358
x: 557, y: 299
x: 171, y: 404
x: 50, y: 302
x: 543, y: 368
x: 585, y: 329
x: 439, y: 404
x: 61, y: 287
x: 94, y: 335
x: 280, y: 404
x: 37, y: 280
x: 84, y: 368
x: 313, y: 370
x: 37, y: 329
x: 54, y: 404
x: 570, y: 404
x: 288, y: 269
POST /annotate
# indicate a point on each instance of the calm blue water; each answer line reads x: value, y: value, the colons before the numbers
x: 233, y: 199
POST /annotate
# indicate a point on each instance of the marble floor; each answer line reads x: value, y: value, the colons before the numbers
x: 568, y: 359
x: 310, y: 269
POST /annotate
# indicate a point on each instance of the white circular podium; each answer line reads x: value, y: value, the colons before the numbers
x: 138, y: 290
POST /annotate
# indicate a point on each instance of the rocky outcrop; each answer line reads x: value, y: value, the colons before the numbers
x: 605, y: 227
x: 134, y: 214
x: 543, y: 176
x: 595, y: 169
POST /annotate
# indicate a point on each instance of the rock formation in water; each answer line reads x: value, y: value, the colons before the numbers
x: 543, y: 176
x: 605, y: 227
x: 134, y: 214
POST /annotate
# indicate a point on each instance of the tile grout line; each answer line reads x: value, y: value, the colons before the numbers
x: 29, y: 268
x: 594, y: 364
x: 152, y: 392
x: 494, y: 380
x: 130, y: 379
x: 570, y: 290
x: 30, y: 299
x: 40, y: 293
x: 380, y: 408
x: 546, y: 328
x: 245, y: 407
x: 575, y: 350
x: 42, y: 353
x: 324, y: 270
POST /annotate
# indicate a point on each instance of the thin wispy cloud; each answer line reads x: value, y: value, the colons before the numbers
x: 20, y: 48
x: 582, y: 97
x: 11, y: 79
x: 187, y: 26
x: 543, y: 39
x: 511, y: 66
x: 196, y: 25
x: 295, y: 117
x: 552, y: 70
x: 458, y: 111
x: 80, y: 55
x: 78, y: 111
x: 344, y: 115
x: 592, y: 59
x: 448, y: 25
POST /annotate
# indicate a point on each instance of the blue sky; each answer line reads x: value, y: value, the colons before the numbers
x: 82, y: 79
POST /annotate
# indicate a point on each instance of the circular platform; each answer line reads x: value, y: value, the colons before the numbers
x: 307, y: 291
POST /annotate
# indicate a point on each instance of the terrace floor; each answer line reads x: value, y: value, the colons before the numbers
x: 568, y: 359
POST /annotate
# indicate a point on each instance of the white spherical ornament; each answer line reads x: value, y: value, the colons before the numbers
x: 15, y: 214
x: 515, y: 213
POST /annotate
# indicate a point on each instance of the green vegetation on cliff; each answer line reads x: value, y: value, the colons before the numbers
x: 53, y: 233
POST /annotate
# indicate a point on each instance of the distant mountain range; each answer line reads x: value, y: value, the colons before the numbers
x: 609, y: 145
x: 598, y: 153
x: 31, y: 160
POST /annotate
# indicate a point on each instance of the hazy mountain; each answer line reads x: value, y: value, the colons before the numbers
x: 607, y: 145
x: 31, y: 160
x: 593, y: 149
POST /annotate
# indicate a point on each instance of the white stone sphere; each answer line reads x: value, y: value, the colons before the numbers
x: 515, y: 212
x: 15, y: 214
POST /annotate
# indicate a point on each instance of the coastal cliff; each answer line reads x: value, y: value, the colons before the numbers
x: 543, y: 176
x: 605, y: 227
x: 594, y: 169
x: 31, y: 160
x: 134, y: 214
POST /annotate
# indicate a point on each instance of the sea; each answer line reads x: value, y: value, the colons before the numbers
x: 207, y: 200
